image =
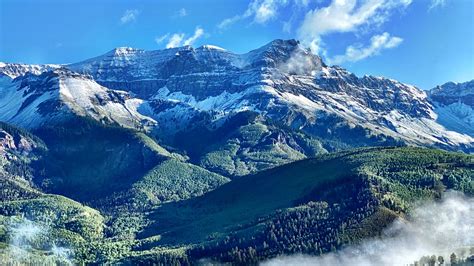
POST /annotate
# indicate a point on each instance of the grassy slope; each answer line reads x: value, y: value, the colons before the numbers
x: 62, y: 221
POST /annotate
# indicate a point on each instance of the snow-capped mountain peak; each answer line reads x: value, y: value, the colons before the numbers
x: 282, y: 81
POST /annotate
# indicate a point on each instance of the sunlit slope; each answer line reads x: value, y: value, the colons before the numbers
x: 365, y: 185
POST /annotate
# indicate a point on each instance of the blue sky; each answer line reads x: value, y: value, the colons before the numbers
x: 421, y: 42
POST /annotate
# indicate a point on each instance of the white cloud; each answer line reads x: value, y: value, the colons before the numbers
x: 179, y: 39
x: 129, y: 16
x: 302, y: 3
x: 264, y: 10
x: 261, y: 11
x: 377, y: 43
x: 182, y: 12
x: 175, y: 40
x: 437, y: 3
x: 300, y: 63
x: 286, y: 27
x: 197, y: 34
x: 337, y: 16
x: 228, y: 21
x: 434, y: 228
x: 340, y: 16
x: 345, y: 16
x: 161, y: 38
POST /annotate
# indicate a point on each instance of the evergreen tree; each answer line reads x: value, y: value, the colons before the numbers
x: 453, y: 259
x: 440, y: 260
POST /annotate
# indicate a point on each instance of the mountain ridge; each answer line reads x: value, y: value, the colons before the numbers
x: 284, y: 71
x: 173, y: 92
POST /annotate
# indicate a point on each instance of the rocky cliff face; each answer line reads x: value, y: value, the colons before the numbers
x: 454, y: 106
x: 18, y: 149
x: 13, y: 145
x: 451, y: 92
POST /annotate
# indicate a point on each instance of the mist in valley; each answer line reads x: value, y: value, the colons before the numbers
x: 434, y: 228
x: 30, y: 243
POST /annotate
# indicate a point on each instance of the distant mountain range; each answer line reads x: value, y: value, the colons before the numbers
x: 190, y: 153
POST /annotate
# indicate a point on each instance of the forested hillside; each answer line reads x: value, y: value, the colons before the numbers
x: 174, y: 211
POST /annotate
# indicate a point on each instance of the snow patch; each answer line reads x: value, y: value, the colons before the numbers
x: 213, y: 47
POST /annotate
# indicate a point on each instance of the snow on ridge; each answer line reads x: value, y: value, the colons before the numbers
x: 80, y: 94
x: 12, y: 100
x: 453, y: 89
x: 14, y: 70
x: 366, y: 101
x: 224, y: 102
x: 420, y: 130
x: 212, y: 47
x: 77, y: 94
x: 456, y: 116
x: 125, y: 49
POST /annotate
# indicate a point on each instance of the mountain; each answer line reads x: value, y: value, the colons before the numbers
x: 33, y: 100
x: 46, y: 182
x: 282, y: 81
x: 18, y: 148
x: 177, y: 93
x: 188, y: 155
x: 254, y: 111
x: 454, y: 105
